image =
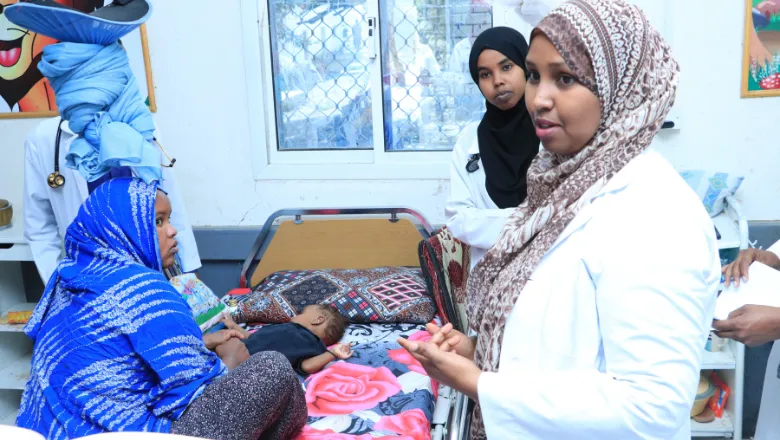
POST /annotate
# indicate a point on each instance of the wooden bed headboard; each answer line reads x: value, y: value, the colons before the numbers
x: 344, y: 243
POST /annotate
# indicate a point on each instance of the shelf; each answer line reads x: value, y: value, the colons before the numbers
x: 14, y: 376
x: 9, y: 419
x: 719, y: 360
x: 717, y: 428
x: 5, y: 326
x: 14, y: 236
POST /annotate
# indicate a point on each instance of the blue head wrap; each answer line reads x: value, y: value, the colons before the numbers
x: 98, y: 94
x: 116, y: 347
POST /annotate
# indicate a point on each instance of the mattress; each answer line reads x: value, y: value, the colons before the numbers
x: 380, y: 392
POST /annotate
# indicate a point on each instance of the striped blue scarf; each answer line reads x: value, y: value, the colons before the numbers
x: 116, y: 348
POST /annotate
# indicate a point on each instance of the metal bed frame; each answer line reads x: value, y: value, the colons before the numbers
x: 452, y: 409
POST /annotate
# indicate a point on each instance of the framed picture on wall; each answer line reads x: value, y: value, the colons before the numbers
x: 25, y: 93
x: 761, y: 49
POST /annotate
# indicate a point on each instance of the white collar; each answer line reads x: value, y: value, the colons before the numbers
x: 66, y: 128
x: 474, y: 147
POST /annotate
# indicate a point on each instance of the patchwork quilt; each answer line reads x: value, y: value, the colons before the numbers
x: 377, y: 295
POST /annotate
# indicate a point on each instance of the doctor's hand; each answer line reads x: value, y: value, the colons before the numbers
x: 449, y: 339
x: 752, y: 325
x: 738, y: 270
x: 447, y: 368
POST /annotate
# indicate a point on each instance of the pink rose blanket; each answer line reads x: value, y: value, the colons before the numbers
x: 381, y: 392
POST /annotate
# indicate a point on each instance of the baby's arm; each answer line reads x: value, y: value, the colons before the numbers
x: 317, y: 363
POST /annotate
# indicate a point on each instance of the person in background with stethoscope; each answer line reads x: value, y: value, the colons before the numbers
x: 53, y: 194
x: 491, y: 158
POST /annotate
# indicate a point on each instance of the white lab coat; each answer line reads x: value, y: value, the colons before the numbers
x: 472, y: 216
x: 48, y: 212
x: 605, y: 342
x: 768, y: 426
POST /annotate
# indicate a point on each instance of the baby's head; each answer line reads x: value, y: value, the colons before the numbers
x: 323, y: 320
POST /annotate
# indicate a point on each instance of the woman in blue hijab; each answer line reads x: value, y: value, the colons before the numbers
x: 117, y: 349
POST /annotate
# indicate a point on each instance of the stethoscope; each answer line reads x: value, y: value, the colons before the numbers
x: 473, y: 164
x: 57, y: 180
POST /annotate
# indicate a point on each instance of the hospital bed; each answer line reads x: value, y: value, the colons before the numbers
x: 310, y: 239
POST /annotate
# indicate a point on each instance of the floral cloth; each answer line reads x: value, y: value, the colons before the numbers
x: 381, y: 392
x: 204, y: 304
x: 445, y: 263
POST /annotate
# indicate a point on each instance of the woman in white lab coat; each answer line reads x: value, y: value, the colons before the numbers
x: 49, y: 211
x: 593, y: 307
x: 491, y: 158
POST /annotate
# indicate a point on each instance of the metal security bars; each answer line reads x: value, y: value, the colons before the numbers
x: 326, y: 56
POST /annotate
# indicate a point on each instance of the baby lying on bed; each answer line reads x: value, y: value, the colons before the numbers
x: 303, y: 340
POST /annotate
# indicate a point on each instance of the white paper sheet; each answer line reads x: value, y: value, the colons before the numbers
x: 763, y: 289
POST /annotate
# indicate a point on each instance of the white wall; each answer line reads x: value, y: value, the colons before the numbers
x: 200, y: 82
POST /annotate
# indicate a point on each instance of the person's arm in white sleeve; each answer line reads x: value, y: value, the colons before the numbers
x: 40, y: 226
x: 654, y: 306
x: 473, y: 226
x: 188, y: 248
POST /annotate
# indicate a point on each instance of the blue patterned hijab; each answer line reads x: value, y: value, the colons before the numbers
x: 116, y: 348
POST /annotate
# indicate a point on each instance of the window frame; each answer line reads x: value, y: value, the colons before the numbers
x: 269, y: 163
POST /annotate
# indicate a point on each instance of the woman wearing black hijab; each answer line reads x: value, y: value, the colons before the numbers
x: 491, y: 158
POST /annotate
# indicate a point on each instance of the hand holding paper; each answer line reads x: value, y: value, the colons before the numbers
x: 762, y: 289
x: 750, y: 313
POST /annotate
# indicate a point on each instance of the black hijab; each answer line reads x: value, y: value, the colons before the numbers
x: 507, y: 138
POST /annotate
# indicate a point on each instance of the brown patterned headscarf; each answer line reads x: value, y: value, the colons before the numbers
x: 613, y: 51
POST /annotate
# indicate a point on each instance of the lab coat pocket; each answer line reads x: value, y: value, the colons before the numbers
x: 570, y: 322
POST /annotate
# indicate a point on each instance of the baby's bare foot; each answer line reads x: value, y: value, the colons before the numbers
x: 232, y: 353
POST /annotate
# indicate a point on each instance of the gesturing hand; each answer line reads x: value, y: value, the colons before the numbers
x: 448, y: 368
x: 446, y: 338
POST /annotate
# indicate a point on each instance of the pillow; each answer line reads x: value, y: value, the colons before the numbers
x: 445, y: 263
x: 205, y: 306
x: 712, y: 188
x: 379, y: 295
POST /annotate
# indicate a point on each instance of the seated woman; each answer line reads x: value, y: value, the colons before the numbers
x: 117, y: 349
x: 593, y: 308
x: 491, y: 158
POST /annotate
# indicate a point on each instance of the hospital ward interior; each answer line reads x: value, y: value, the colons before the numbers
x: 389, y: 219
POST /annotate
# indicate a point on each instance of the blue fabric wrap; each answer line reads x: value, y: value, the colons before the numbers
x: 98, y: 95
x: 115, y: 346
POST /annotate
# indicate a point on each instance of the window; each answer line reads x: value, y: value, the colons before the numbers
x: 428, y: 94
x: 365, y: 81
